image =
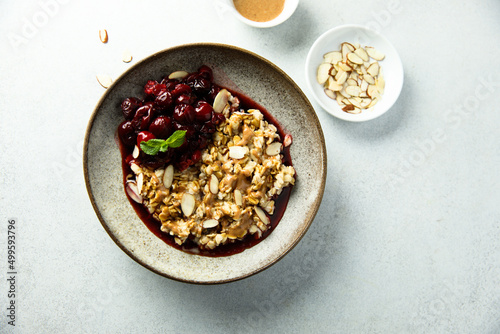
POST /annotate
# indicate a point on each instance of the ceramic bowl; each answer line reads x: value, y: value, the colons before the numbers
x: 391, y: 66
x: 242, y: 71
x: 224, y: 6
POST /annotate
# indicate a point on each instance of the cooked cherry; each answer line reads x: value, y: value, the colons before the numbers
x: 159, y: 89
x: 143, y: 117
x: 164, y: 100
x: 170, y: 83
x: 203, y: 111
x: 161, y: 127
x: 149, y: 87
x: 181, y: 89
x: 129, y: 107
x: 184, y: 113
x: 144, y: 136
x: 126, y: 132
x: 210, y: 97
x: 185, y: 98
x: 199, y: 85
x: 206, y: 72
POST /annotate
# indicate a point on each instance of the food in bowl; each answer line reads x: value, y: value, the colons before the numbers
x: 207, y: 169
x: 259, y: 10
x: 352, y: 76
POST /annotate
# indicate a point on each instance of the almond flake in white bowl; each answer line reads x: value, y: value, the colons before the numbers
x: 371, y: 42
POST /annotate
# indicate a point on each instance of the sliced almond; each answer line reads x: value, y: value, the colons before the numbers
x: 179, y: 75
x: 375, y: 54
x: 345, y: 50
x: 345, y: 67
x: 334, y: 85
x: 238, y: 152
x: 373, y: 69
x: 135, y: 168
x: 341, y: 77
x: 103, y: 35
x: 372, y: 91
x: 210, y: 223
x: 262, y: 216
x: 339, y: 99
x: 351, y: 82
x: 332, y: 57
x: 126, y: 56
x: 104, y: 80
x: 214, y: 184
x: 323, y: 73
x: 355, y: 102
x: 344, y: 93
x: 187, y: 204
x: 238, y: 197
x: 362, y: 70
x: 168, y: 176
x: 355, y: 58
x: 354, y: 111
x: 353, y: 90
x: 365, y: 102
x: 349, y: 46
x: 287, y: 141
x: 273, y: 148
x: 368, y: 78
x: 364, y: 85
x: 362, y: 54
x: 374, y: 102
x: 380, y: 83
x: 140, y: 182
x: 131, y: 189
x: 135, y: 152
x: 348, y: 107
x: 330, y: 93
x: 221, y: 101
x: 354, y: 75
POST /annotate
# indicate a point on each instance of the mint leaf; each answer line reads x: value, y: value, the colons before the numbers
x: 176, y: 139
x: 153, y: 146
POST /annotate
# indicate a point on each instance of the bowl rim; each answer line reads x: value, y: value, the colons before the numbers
x: 310, y: 81
x: 151, y: 57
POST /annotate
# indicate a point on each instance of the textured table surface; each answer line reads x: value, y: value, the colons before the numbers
x: 407, y: 239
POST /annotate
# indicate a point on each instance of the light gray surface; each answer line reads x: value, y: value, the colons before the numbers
x: 407, y: 239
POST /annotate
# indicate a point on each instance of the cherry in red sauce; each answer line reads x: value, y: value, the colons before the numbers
x: 126, y: 132
x: 149, y: 87
x: 144, y: 136
x: 129, y: 107
x: 181, y: 89
x: 184, y: 113
x: 143, y: 117
x: 161, y: 127
x: 203, y: 111
x: 164, y: 100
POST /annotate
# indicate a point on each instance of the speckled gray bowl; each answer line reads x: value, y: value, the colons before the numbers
x: 260, y: 80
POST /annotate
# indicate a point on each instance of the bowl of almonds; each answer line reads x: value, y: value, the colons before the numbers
x: 354, y: 73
